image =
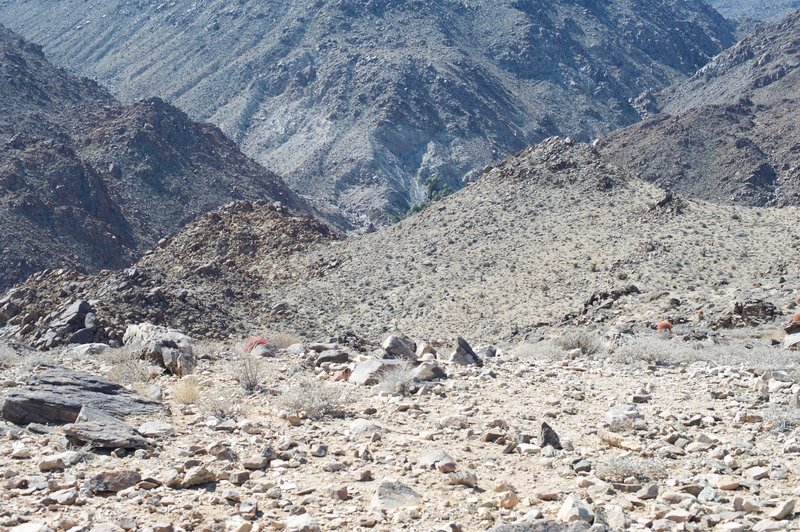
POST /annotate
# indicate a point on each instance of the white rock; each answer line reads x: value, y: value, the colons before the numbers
x: 302, y: 523
x: 784, y: 510
x: 156, y: 429
x: 144, y: 333
x: 574, y: 509
x: 622, y: 415
x: 32, y: 527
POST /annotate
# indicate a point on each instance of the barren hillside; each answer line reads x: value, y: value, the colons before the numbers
x: 527, y: 245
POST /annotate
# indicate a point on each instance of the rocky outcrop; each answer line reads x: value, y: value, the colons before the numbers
x: 194, y: 282
x: 88, y: 183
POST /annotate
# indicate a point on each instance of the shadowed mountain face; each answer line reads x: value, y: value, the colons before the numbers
x: 88, y: 183
x: 363, y: 105
x: 728, y: 134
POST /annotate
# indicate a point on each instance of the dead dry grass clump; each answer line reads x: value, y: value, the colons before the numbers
x: 625, y: 468
x: 396, y: 379
x: 313, y: 398
x: 782, y: 419
x: 222, y: 407
x: 186, y: 391
x: 588, y: 343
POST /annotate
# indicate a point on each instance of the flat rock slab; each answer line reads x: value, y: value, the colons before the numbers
x: 392, y: 495
x: 100, y: 431
x: 57, y: 396
x: 113, y: 481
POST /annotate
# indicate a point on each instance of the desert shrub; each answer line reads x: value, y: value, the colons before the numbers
x: 186, y: 391
x: 282, y: 340
x: 671, y: 352
x: 436, y: 190
x: 223, y: 407
x: 544, y: 350
x: 316, y: 399
x: 250, y: 373
x: 396, y: 379
x: 624, y: 467
x: 646, y: 350
x: 588, y: 343
x: 782, y: 419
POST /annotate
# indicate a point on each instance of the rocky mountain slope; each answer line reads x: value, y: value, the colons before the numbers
x: 363, y: 106
x: 758, y: 10
x: 88, y: 183
x: 552, y: 236
x: 729, y: 133
x: 579, y: 414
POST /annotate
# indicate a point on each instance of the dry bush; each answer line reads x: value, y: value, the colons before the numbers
x: 544, y: 350
x: 396, y: 379
x: 317, y: 399
x: 250, y: 373
x: 282, y: 340
x: 782, y: 419
x: 670, y: 352
x: 209, y: 350
x: 186, y: 391
x: 223, y: 407
x: 645, y: 350
x: 587, y: 342
x: 125, y: 367
x: 621, y: 468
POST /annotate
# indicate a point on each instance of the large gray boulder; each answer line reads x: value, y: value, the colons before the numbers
x: 400, y: 346
x: 169, y: 348
x: 392, y: 495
